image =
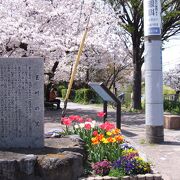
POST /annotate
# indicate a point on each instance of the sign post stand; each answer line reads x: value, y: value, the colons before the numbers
x: 118, y: 114
x: 105, y: 110
x: 107, y: 96
x: 153, y: 71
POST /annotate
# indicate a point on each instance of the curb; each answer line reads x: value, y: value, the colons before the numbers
x: 138, y: 177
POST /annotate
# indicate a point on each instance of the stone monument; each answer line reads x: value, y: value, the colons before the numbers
x: 21, y: 103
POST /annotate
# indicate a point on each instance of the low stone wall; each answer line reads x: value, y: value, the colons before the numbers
x: 60, y: 159
x: 171, y: 121
x: 138, y: 177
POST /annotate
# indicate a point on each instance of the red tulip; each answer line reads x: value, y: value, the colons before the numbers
x: 95, y: 133
x: 101, y: 114
x: 66, y: 121
x: 87, y: 126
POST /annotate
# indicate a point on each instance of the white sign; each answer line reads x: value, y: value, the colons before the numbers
x: 152, y: 17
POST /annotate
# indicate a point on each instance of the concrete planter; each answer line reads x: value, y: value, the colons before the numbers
x: 172, y: 121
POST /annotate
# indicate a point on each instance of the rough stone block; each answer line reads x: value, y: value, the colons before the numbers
x: 149, y: 176
x: 90, y: 178
x: 27, y: 164
x: 125, y: 178
x: 141, y: 177
x: 43, y: 164
x: 115, y: 178
x: 133, y: 178
x: 98, y: 178
x: 8, y: 169
x: 171, y: 121
x: 157, y: 177
x: 106, y: 178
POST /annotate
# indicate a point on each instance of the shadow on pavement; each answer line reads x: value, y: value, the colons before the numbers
x: 52, y: 115
x: 126, y: 118
x: 171, y: 143
x: 127, y: 133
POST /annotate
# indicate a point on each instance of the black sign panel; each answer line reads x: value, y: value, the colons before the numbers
x: 104, y: 92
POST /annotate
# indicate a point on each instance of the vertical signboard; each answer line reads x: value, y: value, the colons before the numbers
x: 21, y: 103
x: 152, y: 17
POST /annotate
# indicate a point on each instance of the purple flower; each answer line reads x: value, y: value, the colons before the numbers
x: 131, y: 164
x: 102, y: 168
x: 125, y: 146
x: 126, y: 163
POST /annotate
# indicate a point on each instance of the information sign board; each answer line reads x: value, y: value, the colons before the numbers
x: 107, y: 96
x: 104, y: 92
x: 152, y: 17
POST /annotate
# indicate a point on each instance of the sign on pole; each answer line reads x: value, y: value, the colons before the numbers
x: 152, y: 17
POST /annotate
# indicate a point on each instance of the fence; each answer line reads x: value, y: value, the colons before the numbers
x: 172, y: 97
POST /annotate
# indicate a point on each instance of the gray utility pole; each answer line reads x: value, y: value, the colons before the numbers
x: 153, y: 71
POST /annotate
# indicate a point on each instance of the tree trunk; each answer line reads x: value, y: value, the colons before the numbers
x: 137, y: 87
x: 87, y: 75
x: 137, y: 63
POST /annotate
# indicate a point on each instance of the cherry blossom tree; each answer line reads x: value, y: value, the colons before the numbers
x: 172, y: 79
x: 53, y: 30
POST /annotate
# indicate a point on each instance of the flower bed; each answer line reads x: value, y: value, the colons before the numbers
x: 108, y: 152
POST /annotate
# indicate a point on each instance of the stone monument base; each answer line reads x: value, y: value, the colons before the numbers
x: 61, y: 158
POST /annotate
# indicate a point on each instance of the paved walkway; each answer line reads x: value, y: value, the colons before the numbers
x: 165, y: 157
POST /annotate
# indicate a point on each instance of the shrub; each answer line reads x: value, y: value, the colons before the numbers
x: 127, y: 102
x: 168, y: 90
x: 85, y: 96
x: 72, y: 94
x: 79, y: 96
x: 172, y: 106
x: 59, y: 89
x: 117, y: 172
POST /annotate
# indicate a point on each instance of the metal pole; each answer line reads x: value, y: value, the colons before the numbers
x: 118, y: 115
x: 153, y: 71
x: 114, y: 78
x: 105, y: 110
